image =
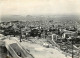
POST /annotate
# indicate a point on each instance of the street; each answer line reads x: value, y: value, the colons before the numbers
x: 39, y: 51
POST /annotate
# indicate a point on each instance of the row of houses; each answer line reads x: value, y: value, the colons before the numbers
x: 57, y: 29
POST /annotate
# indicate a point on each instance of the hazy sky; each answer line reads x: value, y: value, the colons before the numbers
x: 25, y: 7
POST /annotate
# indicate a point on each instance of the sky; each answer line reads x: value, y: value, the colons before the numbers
x: 39, y: 7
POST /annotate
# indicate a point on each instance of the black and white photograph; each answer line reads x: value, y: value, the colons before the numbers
x: 39, y: 28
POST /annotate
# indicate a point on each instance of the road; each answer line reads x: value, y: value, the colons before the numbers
x: 39, y: 51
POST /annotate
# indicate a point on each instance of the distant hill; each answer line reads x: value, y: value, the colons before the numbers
x: 39, y: 17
